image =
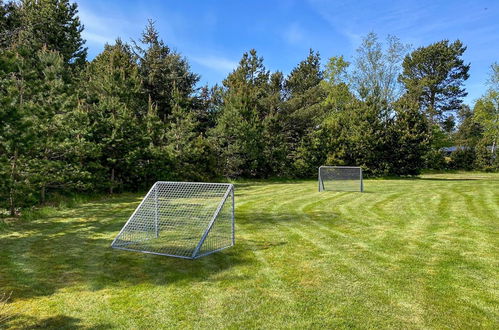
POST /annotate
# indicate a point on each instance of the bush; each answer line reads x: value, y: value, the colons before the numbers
x: 462, y: 159
x: 435, y: 160
x: 485, y: 160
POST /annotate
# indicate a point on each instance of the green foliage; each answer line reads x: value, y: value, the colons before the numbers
x: 470, y: 131
x: 238, y: 135
x: 9, y: 23
x: 434, y: 75
x: 376, y: 70
x: 50, y: 104
x: 409, y: 138
x: 134, y: 114
x: 486, y: 113
x: 53, y: 24
x: 111, y: 89
x: 485, y: 159
x: 162, y: 71
x: 185, y: 144
x: 360, y: 135
x: 463, y: 158
x: 336, y: 85
x: 303, y: 109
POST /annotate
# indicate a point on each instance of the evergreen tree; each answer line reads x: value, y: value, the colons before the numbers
x: 275, y: 148
x: 410, y: 140
x: 238, y: 135
x: 16, y: 135
x: 469, y: 131
x: 304, y: 106
x: 356, y: 135
x: 185, y: 145
x: 162, y: 70
x: 35, y: 140
x: 9, y: 23
x: 112, y: 94
x: 53, y: 24
x: 326, y: 133
x: 434, y: 76
x: 467, y: 138
x: 49, y: 104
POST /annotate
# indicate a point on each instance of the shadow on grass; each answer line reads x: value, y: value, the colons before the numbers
x: 72, y: 248
x: 446, y: 179
x: 262, y: 244
x: 55, y: 322
x: 242, y: 186
x: 418, y: 178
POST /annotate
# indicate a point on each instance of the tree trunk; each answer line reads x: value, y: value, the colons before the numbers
x: 493, y: 150
x: 12, y: 205
x: 111, y: 189
x: 433, y: 111
x: 42, y: 194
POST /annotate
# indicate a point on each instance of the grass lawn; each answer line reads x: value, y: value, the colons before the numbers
x: 406, y: 253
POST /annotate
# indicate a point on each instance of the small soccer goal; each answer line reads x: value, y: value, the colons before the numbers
x: 340, y: 178
x: 181, y: 219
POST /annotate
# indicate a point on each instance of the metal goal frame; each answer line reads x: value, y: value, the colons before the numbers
x: 352, y: 169
x: 186, y: 220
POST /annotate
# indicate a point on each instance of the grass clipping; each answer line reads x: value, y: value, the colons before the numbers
x: 4, y: 307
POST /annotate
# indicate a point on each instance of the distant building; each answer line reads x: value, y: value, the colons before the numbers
x: 447, y: 151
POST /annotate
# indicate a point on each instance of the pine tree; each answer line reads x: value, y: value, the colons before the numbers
x: 49, y: 105
x: 184, y: 143
x: 112, y: 93
x: 53, y: 24
x: 16, y: 134
x: 410, y: 140
x: 162, y: 70
x: 434, y: 76
x: 304, y: 108
x: 9, y: 23
x: 238, y: 135
x: 275, y: 148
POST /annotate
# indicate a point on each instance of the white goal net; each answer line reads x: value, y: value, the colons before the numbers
x: 340, y: 178
x: 181, y: 219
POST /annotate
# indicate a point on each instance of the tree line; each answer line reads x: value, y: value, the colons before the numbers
x: 135, y: 113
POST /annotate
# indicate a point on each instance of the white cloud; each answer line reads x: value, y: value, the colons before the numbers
x: 415, y: 21
x: 102, y: 29
x: 91, y: 21
x: 294, y: 34
x: 215, y: 63
x: 98, y: 38
x: 97, y: 29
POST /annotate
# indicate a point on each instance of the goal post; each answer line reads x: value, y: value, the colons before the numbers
x: 181, y: 219
x: 340, y: 178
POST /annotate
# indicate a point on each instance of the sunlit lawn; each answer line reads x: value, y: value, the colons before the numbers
x: 406, y: 253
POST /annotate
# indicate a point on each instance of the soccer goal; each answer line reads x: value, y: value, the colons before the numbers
x: 181, y: 219
x: 340, y: 178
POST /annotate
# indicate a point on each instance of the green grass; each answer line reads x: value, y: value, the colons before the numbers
x: 407, y: 253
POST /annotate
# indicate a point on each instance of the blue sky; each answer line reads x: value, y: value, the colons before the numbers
x: 214, y: 34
